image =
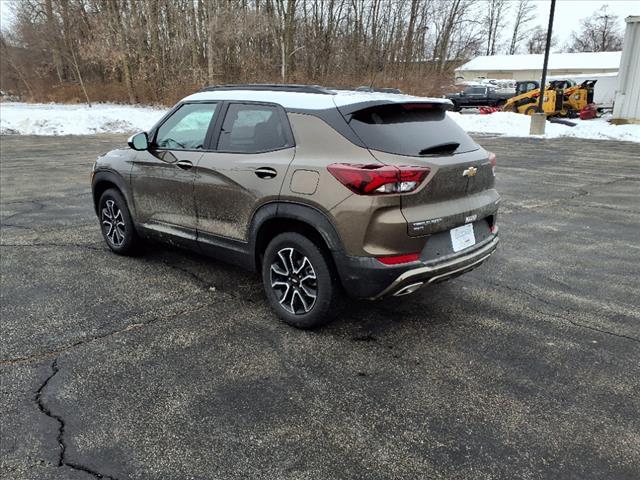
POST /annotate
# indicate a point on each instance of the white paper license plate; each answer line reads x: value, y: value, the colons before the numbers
x: 462, y: 237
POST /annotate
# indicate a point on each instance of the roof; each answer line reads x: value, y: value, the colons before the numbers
x: 304, y: 100
x: 557, y: 61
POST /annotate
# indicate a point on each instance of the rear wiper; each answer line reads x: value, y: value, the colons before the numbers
x: 449, y: 147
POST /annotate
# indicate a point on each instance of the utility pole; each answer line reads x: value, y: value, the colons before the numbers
x: 538, y: 119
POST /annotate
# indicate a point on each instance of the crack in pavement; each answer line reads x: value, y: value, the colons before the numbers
x: 521, y: 208
x: 62, y: 460
x: 38, y: 206
x: 62, y: 245
x: 559, y: 316
x: 134, y: 326
x: 581, y: 191
x: 45, y: 199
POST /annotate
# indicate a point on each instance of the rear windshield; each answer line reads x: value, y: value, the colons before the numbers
x: 410, y: 129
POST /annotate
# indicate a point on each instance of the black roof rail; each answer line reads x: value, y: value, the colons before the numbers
x: 378, y: 89
x: 276, y: 87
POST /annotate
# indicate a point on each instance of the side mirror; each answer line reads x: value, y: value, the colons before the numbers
x: 139, y: 141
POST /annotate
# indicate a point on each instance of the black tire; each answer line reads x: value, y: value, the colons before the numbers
x: 530, y: 110
x: 291, y: 297
x: 500, y: 104
x: 456, y: 107
x: 123, y: 238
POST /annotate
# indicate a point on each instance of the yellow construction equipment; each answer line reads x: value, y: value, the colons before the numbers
x: 562, y: 98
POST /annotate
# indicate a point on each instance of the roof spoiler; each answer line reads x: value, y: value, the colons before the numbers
x: 435, y: 103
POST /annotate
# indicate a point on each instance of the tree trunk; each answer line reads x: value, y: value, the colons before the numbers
x: 53, y: 31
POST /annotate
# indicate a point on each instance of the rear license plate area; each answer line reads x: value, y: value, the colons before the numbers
x: 462, y: 237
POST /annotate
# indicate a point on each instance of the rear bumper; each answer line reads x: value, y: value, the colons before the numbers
x: 365, y: 277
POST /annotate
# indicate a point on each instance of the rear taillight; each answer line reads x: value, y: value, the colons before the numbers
x: 378, y: 179
x: 493, y: 162
x: 398, y: 259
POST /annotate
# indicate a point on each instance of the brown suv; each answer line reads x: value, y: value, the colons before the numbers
x: 320, y: 190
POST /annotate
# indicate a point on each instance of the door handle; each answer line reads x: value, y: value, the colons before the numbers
x: 184, y: 164
x: 265, y: 172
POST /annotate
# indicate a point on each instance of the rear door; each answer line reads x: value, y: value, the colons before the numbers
x: 245, y: 169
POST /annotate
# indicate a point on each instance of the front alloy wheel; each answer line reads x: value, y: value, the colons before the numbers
x: 113, y: 223
x: 116, y: 224
x: 294, y: 281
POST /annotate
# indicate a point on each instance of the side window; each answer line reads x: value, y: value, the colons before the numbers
x: 187, y: 128
x: 252, y: 129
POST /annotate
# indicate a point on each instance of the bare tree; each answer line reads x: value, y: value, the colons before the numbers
x: 523, y: 16
x: 598, y: 33
x: 494, y: 21
x: 537, y: 40
x: 157, y: 50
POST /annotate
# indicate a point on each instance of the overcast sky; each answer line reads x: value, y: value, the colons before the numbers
x: 566, y: 19
x: 569, y: 12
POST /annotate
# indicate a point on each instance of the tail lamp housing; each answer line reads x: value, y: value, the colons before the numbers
x: 378, y: 179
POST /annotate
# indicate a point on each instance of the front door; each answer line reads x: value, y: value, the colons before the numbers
x: 253, y: 151
x: 162, y: 177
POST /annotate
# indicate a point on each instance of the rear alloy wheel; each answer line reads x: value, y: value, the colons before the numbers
x: 115, y: 220
x: 298, y: 281
x: 294, y: 281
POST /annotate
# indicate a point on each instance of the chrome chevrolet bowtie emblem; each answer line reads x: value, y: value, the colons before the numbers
x: 470, y: 172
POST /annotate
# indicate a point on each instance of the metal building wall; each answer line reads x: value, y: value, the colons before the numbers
x: 627, y: 101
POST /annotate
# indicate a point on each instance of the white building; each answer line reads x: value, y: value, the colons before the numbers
x: 626, y: 108
x: 529, y: 67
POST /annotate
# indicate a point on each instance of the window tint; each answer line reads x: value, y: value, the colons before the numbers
x: 251, y: 129
x: 410, y: 129
x: 187, y: 128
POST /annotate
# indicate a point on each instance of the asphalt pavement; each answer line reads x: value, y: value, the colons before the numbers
x: 172, y: 366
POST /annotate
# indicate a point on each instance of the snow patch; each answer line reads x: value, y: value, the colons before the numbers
x: 57, y: 119
x: 517, y: 125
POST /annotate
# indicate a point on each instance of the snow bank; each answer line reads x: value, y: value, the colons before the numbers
x: 517, y: 125
x: 57, y: 119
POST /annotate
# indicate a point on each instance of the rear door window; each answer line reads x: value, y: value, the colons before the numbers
x: 410, y: 129
x: 253, y: 128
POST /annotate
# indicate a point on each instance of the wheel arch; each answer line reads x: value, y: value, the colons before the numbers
x: 278, y: 217
x: 104, y: 180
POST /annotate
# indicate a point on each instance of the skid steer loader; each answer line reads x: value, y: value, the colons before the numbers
x: 562, y: 98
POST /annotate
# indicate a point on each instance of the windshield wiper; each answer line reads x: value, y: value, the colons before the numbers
x: 448, y: 147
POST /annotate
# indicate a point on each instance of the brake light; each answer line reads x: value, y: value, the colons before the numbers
x: 418, y: 106
x: 398, y: 259
x: 493, y: 162
x: 377, y: 179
